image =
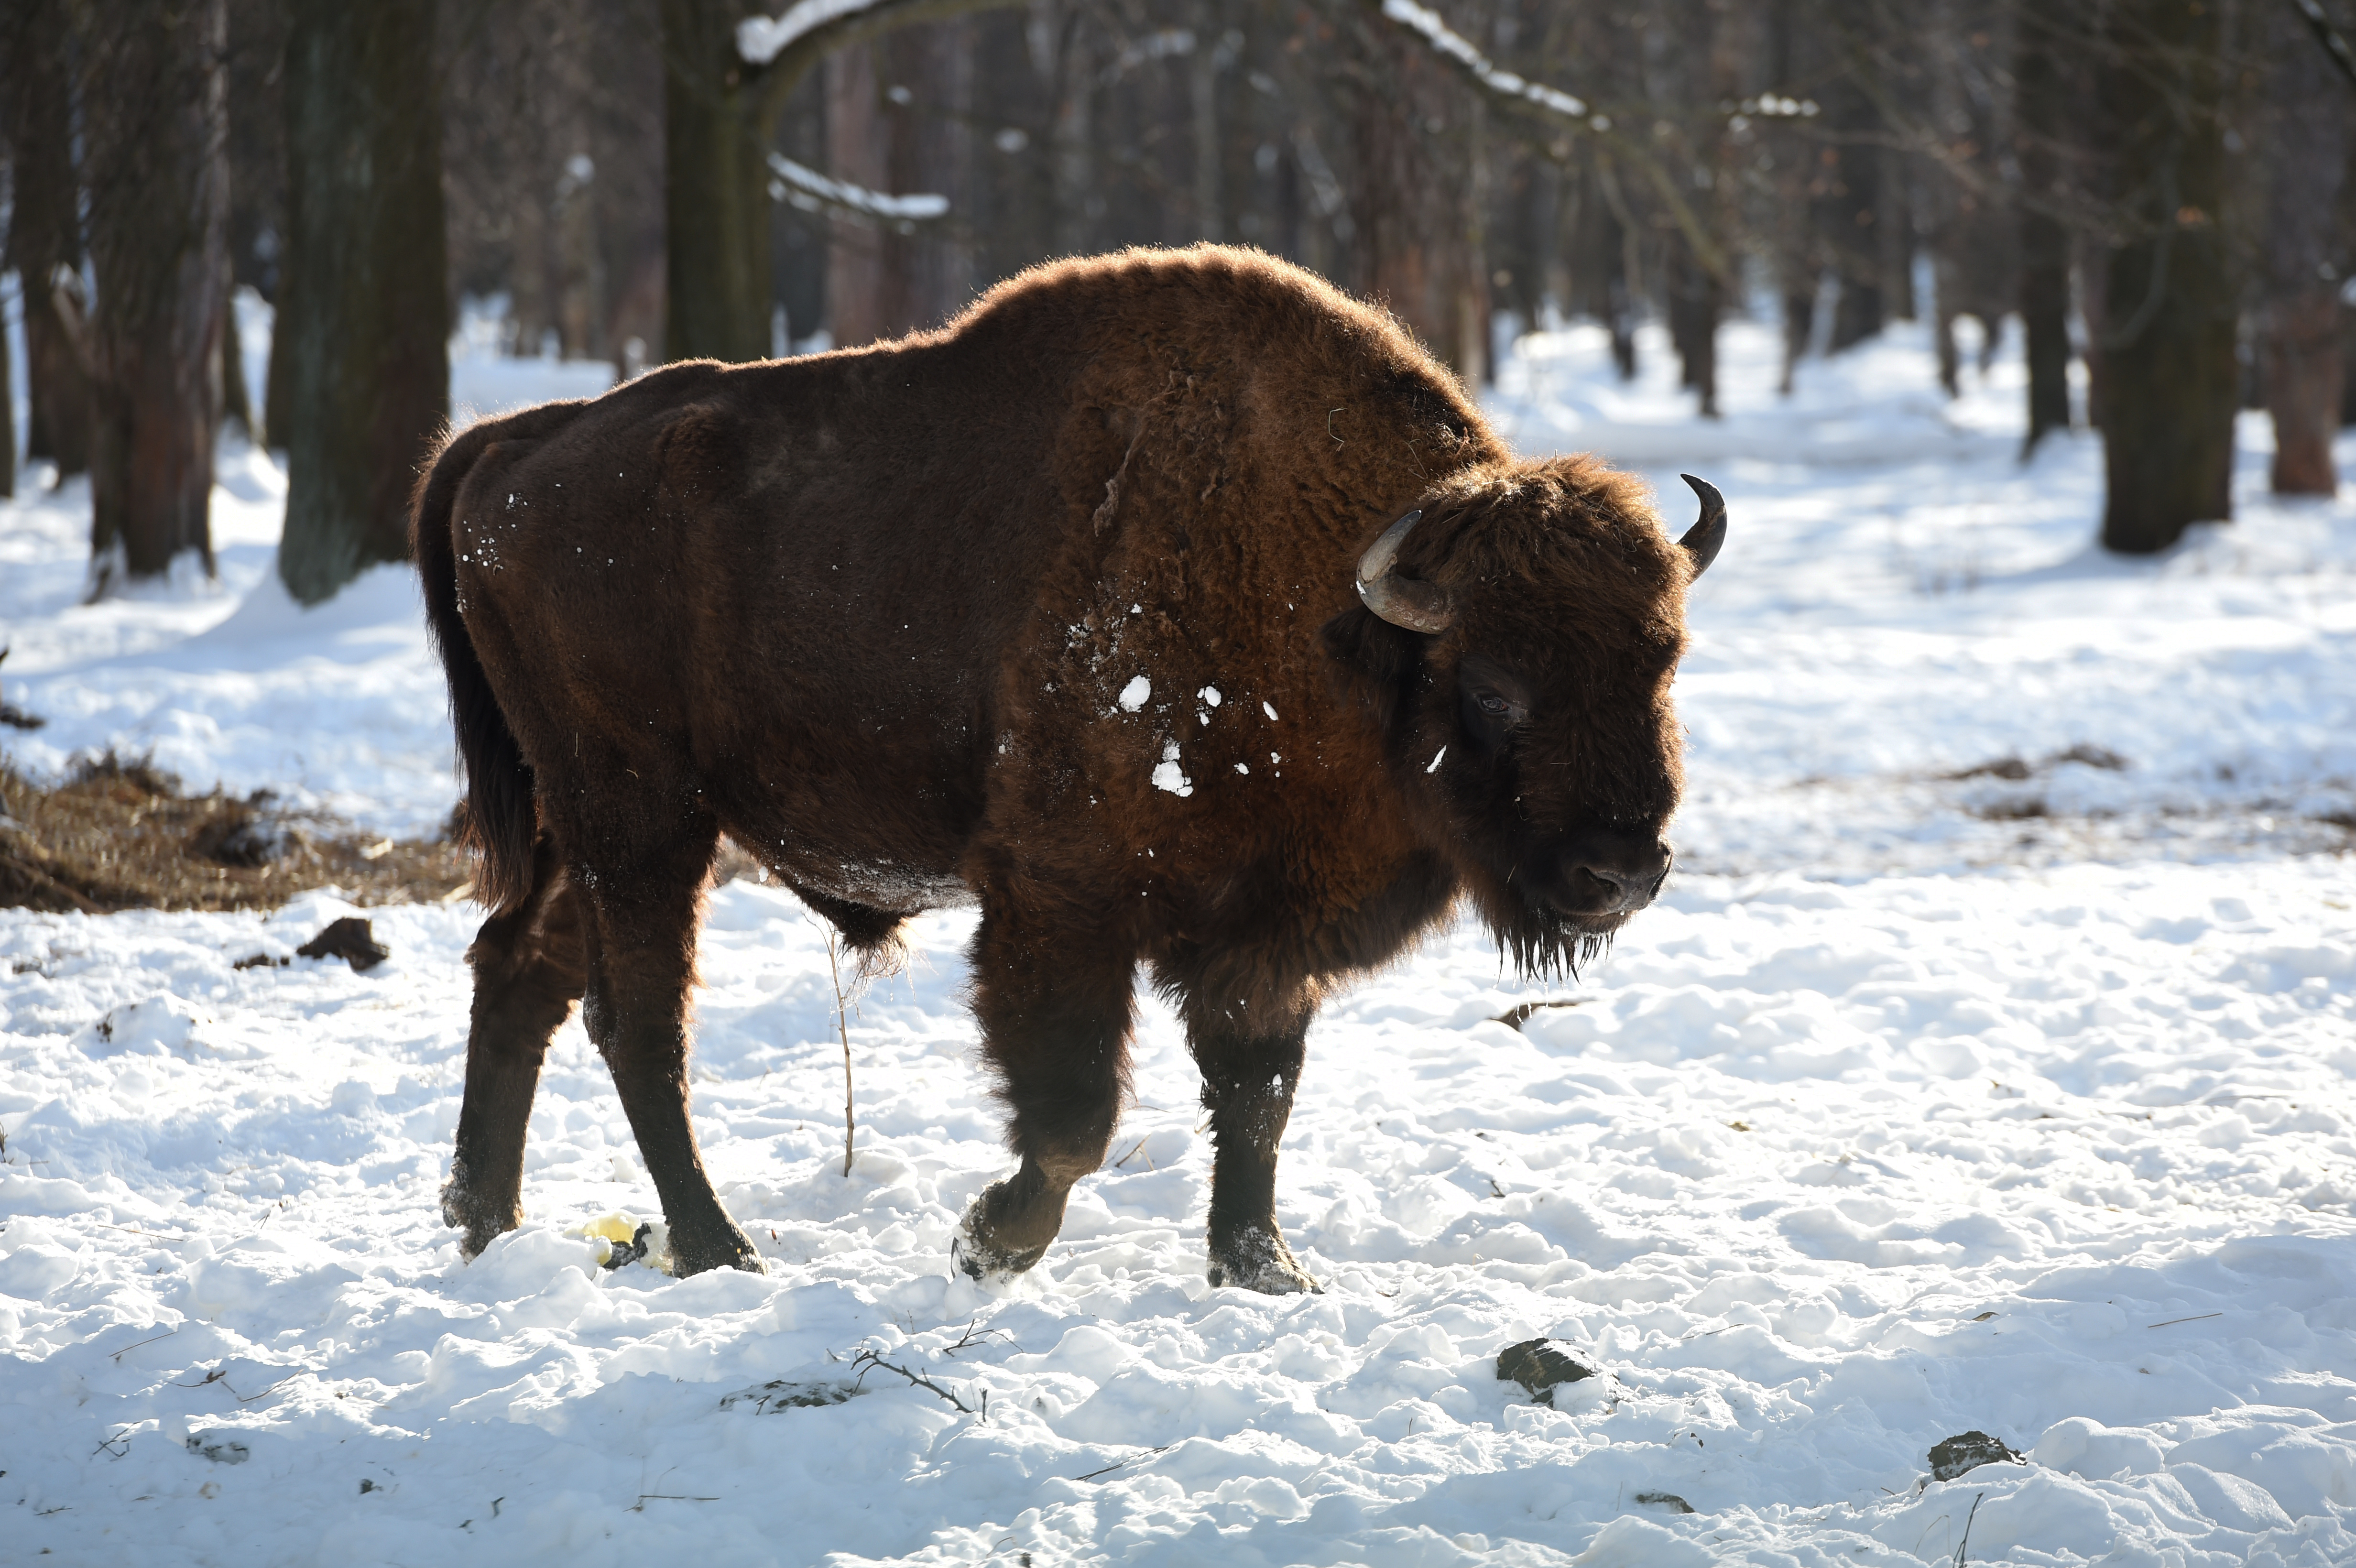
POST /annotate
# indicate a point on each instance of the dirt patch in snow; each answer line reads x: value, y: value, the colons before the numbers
x: 120, y: 834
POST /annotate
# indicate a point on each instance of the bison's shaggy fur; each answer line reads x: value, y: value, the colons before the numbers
x: 1052, y: 610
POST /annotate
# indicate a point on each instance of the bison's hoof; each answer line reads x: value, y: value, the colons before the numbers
x: 719, y: 1249
x: 983, y: 1260
x: 1259, y: 1259
x: 482, y: 1223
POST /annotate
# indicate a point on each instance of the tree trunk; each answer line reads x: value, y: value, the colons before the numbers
x: 1703, y: 70
x: 2304, y: 377
x: 277, y: 373
x: 2089, y: 267
x: 156, y: 134
x: 1696, y: 301
x: 716, y: 188
x: 236, y: 402
x: 2307, y: 105
x: 2168, y: 336
x: 1602, y: 276
x: 1204, y: 121
x: 1077, y: 201
x: 2045, y: 321
x: 581, y: 304
x: 934, y: 154
x: 1847, y: 209
x: 858, y: 144
x: 45, y: 229
x: 7, y: 419
x: 1418, y: 249
x: 2041, y: 109
x: 366, y: 310
x: 527, y: 311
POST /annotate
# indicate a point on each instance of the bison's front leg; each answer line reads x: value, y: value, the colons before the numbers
x: 1055, y: 1004
x: 1251, y: 1059
x: 641, y: 963
x: 529, y: 970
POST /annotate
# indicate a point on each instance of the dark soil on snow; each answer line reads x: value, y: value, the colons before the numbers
x: 119, y: 833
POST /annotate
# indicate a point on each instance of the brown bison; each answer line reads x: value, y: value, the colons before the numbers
x: 1173, y: 606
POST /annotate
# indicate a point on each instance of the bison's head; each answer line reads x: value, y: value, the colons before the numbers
x: 1519, y: 631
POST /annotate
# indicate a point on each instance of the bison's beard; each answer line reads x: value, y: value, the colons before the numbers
x: 1544, y: 942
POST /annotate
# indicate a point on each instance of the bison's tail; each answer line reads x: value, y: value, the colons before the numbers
x: 500, y: 821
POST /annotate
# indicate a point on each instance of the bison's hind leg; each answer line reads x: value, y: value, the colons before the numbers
x: 529, y: 968
x: 643, y: 888
x: 1250, y: 1047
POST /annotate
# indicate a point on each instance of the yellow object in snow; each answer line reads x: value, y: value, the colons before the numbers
x: 617, y: 1227
x: 626, y: 1242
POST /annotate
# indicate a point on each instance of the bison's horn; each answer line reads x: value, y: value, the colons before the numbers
x: 1705, y: 538
x: 1402, y: 601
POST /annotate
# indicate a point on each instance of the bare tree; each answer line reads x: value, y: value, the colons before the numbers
x: 1414, y: 139
x: 156, y: 129
x: 45, y: 228
x: 365, y: 308
x: 898, y: 110
x: 2042, y: 55
x: 2305, y: 122
x: 2168, y: 330
x: 725, y: 87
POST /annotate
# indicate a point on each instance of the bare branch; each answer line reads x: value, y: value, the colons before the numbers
x: 786, y: 49
x: 2319, y: 24
x: 867, y: 1360
x: 1533, y: 101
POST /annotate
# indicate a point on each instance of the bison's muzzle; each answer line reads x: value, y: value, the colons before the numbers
x: 1606, y: 875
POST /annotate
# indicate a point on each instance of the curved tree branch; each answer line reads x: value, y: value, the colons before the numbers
x: 1530, y: 101
x: 782, y: 51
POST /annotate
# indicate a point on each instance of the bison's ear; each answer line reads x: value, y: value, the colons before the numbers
x: 1369, y: 646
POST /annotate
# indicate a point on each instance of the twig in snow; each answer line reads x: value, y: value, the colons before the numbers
x: 841, y: 1003
x: 221, y: 1375
x: 2194, y: 1319
x: 117, y: 1355
x: 972, y: 1337
x: 1964, y: 1545
x: 1118, y: 1464
x: 866, y: 1360
x: 1135, y: 1149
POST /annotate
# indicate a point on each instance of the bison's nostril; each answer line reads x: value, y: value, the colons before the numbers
x: 1624, y: 873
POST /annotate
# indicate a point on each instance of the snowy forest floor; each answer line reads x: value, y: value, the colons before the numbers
x: 1985, y: 1066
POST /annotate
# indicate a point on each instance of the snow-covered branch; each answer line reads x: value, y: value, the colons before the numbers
x: 761, y: 39
x: 1458, y: 47
x: 783, y: 49
x: 826, y: 191
x: 1557, y: 107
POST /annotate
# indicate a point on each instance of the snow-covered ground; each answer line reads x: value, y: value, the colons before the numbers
x: 1918, y: 1105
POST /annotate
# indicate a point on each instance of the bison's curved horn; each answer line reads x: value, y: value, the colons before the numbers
x: 1705, y: 538
x: 1402, y: 601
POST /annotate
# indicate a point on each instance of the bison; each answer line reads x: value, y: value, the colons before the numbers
x: 1173, y: 606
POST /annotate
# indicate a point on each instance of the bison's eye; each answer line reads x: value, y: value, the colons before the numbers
x: 1491, y: 718
x: 1492, y: 702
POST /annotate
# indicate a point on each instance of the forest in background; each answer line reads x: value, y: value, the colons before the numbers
x: 2157, y: 187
